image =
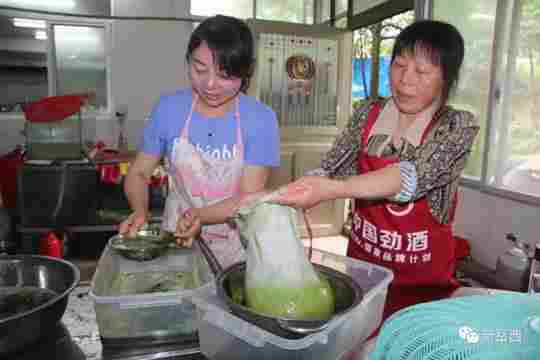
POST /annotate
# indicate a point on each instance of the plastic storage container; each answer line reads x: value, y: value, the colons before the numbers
x: 61, y: 140
x: 223, y: 335
x: 122, y: 312
x: 54, y: 128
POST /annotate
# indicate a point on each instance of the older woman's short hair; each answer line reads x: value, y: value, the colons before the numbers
x: 443, y: 44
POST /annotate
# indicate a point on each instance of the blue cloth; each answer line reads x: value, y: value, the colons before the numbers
x: 358, y: 88
x: 260, y: 130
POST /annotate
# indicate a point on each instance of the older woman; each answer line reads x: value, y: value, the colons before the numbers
x: 400, y: 159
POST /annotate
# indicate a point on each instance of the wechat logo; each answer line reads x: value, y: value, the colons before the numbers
x: 469, y: 335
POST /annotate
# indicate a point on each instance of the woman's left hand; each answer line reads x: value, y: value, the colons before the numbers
x: 306, y: 192
x: 188, y: 226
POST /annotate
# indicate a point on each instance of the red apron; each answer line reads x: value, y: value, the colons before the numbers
x: 405, y: 238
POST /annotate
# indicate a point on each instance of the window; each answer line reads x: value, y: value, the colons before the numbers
x: 323, y: 11
x: 39, y: 59
x: 499, y: 84
x: 372, y: 49
x: 278, y: 10
x: 239, y: 8
x: 285, y: 10
x: 80, y: 63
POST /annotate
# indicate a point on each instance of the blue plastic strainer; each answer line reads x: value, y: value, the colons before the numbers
x: 484, y: 327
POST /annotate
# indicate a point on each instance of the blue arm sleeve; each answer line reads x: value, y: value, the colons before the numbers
x: 409, y: 182
x: 263, y: 142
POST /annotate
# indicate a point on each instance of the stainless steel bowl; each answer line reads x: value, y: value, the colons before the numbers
x: 230, y: 287
x: 148, y: 244
x: 44, y: 274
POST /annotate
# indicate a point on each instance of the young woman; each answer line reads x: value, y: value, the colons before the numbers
x: 219, y: 143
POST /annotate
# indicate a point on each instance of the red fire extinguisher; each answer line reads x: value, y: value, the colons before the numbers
x: 51, y: 245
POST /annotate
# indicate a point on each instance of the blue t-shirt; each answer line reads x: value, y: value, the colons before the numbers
x: 217, y: 136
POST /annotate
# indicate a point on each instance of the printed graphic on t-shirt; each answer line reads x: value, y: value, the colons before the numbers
x: 224, y: 153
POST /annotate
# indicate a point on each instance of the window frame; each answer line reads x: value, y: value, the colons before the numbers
x: 507, y: 12
x: 379, y: 12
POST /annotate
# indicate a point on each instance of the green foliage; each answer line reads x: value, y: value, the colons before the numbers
x: 524, y: 141
x: 531, y: 9
x: 378, y: 41
x: 284, y: 10
x: 363, y: 38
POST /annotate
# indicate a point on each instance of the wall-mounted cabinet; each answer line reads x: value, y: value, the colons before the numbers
x: 303, y: 73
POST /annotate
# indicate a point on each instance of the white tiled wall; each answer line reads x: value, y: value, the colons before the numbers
x: 485, y: 220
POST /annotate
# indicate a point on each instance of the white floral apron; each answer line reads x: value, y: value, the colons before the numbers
x: 198, y: 179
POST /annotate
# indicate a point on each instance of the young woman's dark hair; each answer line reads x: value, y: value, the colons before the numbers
x: 441, y: 41
x: 231, y: 43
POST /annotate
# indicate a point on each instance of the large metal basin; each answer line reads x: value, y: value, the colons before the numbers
x: 347, y: 295
x: 40, y: 272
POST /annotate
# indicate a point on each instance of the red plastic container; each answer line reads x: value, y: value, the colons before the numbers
x: 51, y: 245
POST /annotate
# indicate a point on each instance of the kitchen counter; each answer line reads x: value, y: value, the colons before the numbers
x: 80, y: 319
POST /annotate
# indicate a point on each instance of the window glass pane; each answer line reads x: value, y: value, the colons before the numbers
x: 476, y: 22
x: 517, y: 164
x: 286, y: 10
x: 363, y: 5
x: 371, y: 78
x: 341, y: 23
x: 242, y: 9
x: 78, y: 7
x: 23, y: 65
x: 81, y: 63
x: 323, y: 11
x: 341, y: 7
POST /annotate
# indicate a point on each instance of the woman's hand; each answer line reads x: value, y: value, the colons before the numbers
x: 307, y: 192
x: 133, y: 223
x: 188, y: 226
x: 247, y: 199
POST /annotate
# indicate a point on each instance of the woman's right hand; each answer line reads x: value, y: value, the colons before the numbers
x: 133, y: 223
x: 188, y: 227
x: 306, y: 192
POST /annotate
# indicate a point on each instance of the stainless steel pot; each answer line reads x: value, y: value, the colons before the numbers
x: 35, y: 274
x: 231, y: 280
